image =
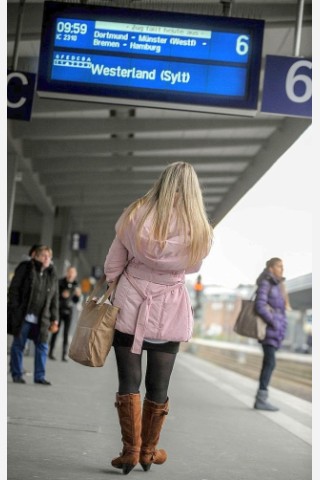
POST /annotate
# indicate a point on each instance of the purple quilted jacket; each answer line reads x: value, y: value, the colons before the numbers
x: 269, y: 294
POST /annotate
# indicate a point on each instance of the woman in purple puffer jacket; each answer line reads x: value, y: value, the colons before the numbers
x: 270, y: 304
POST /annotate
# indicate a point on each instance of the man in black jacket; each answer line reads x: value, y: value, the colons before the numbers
x: 33, y: 301
x: 69, y: 295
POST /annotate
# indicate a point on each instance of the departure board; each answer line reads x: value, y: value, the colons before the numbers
x: 149, y: 58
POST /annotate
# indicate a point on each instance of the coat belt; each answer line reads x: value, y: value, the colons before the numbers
x: 144, y: 311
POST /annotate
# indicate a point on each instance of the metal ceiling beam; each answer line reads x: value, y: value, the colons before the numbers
x: 49, y: 108
x: 48, y: 128
x: 67, y: 164
x: 115, y: 202
x: 51, y: 148
x: 124, y: 178
x: 77, y: 190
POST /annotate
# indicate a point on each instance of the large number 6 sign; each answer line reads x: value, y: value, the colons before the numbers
x: 293, y: 77
x: 287, y: 88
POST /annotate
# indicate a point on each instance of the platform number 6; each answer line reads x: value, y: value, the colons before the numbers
x: 293, y: 77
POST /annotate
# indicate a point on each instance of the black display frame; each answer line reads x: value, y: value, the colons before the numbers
x: 133, y: 96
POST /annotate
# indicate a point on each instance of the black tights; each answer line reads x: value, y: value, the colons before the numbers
x: 158, y: 372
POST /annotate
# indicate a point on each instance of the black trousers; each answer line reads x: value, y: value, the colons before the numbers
x: 66, y: 321
x: 268, y: 365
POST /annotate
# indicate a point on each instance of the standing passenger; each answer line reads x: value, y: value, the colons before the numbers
x: 10, y: 320
x: 33, y: 302
x: 270, y: 303
x: 159, y: 237
x: 69, y: 295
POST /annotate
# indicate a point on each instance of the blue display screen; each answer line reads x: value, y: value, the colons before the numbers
x: 130, y: 38
x: 156, y: 74
x: 150, y: 57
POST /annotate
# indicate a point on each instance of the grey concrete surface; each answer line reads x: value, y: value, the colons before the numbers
x: 70, y: 431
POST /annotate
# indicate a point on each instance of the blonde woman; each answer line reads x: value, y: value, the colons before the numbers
x: 159, y: 238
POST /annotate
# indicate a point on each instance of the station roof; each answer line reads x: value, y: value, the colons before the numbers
x: 91, y: 160
x: 300, y: 292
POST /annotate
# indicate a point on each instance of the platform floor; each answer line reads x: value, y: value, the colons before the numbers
x: 70, y: 431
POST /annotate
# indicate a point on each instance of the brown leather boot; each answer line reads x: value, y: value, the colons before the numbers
x: 129, y: 411
x: 153, y: 417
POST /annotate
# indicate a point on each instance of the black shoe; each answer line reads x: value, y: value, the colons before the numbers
x: 18, y: 380
x: 42, y: 382
x: 52, y: 357
x: 64, y: 359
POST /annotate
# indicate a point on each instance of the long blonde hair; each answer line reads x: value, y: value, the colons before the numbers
x: 178, y: 186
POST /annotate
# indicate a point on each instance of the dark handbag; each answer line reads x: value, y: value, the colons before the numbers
x: 248, y: 323
x: 94, y: 332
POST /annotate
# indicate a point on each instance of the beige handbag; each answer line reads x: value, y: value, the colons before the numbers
x: 94, y: 333
x: 248, y: 323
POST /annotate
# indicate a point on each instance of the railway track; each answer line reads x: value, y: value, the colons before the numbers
x: 293, y: 373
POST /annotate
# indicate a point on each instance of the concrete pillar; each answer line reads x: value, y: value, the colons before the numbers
x: 47, y: 229
x: 75, y: 261
x: 299, y: 334
x: 65, y: 254
x: 11, y: 194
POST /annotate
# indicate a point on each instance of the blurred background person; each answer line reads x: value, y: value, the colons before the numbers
x: 26, y: 257
x: 271, y: 302
x: 31, y: 253
x: 33, y: 299
x: 69, y: 295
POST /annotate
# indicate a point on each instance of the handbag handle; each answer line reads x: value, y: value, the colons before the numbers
x: 98, y: 286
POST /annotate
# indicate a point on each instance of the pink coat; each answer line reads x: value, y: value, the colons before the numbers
x: 151, y: 294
